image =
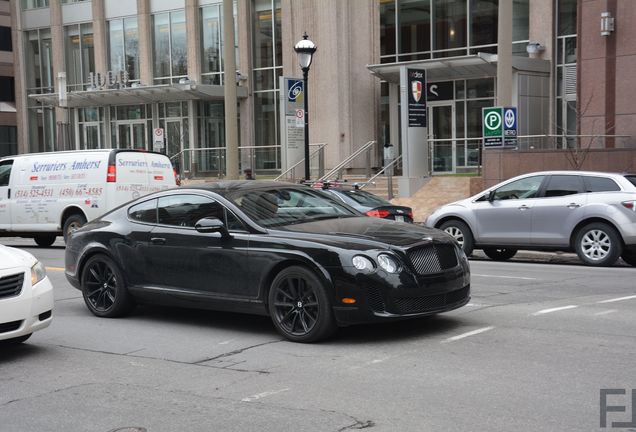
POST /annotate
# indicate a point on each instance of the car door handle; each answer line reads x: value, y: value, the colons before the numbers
x: 574, y: 205
x: 158, y: 240
x: 524, y: 207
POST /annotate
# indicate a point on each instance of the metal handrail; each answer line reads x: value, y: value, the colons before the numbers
x: 347, y: 160
x: 291, y: 168
x: 394, y: 162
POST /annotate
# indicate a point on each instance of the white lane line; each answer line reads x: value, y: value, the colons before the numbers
x: 618, y: 299
x: 470, y: 333
x: 503, y: 277
x: 226, y: 342
x: 605, y: 312
x: 546, y: 311
x: 262, y: 395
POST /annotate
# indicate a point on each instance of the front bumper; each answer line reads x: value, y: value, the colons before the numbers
x: 395, y: 297
x: 28, y: 312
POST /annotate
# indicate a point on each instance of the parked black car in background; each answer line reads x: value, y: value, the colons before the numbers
x: 365, y: 202
x: 305, y: 259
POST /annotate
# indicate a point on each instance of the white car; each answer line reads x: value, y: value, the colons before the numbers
x: 26, y: 295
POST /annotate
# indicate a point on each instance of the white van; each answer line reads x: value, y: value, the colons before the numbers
x: 43, y: 195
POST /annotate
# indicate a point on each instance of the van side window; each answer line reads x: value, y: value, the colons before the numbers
x: 144, y: 212
x: 562, y: 185
x: 5, y: 172
x: 600, y: 184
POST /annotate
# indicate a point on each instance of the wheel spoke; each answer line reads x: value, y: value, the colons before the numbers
x: 302, y: 322
x: 287, y: 315
x: 95, y: 275
x: 284, y: 304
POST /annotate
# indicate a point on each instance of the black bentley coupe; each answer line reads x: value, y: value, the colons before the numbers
x: 304, y: 258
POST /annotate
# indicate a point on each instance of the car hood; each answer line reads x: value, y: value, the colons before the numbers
x: 368, y: 231
x: 11, y: 258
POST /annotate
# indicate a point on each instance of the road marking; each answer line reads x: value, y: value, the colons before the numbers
x: 470, y: 333
x: 55, y: 268
x: 605, y: 312
x: 618, y: 299
x: 226, y: 342
x: 546, y: 311
x: 262, y: 395
x: 504, y: 277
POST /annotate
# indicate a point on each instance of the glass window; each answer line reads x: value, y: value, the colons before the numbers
x: 449, y: 24
x: 473, y: 116
x: 263, y: 34
x: 5, y: 172
x: 179, y: 45
x: 131, y: 48
x: 479, y: 88
x: 519, y: 189
x: 631, y: 178
x: 415, y: 26
x: 187, y: 210
x: 123, y: 44
x: 161, y: 44
x: 34, y: 4
x: 566, y: 20
x: 116, y: 45
x: 387, y: 28
x: 561, y: 185
x: 265, y: 105
x: 520, y: 20
x: 211, y: 39
x: 8, y: 140
x: 5, y: 39
x: 144, y: 212
x: 483, y: 18
x: 80, y: 54
x: 600, y: 184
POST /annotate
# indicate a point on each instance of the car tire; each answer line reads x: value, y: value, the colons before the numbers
x: 299, y: 306
x: 598, y: 244
x: 45, y: 240
x: 72, y: 223
x: 16, y: 340
x: 104, y: 288
x: 500, y: 254
x: 629, y: 257
x: 461, y: 233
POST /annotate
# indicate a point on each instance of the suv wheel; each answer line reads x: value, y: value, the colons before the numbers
x: 500, y: 254
x: 598, y: 244
x: 461, y: 233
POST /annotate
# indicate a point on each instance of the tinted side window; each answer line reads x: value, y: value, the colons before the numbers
x: 520, y: 189
x: 631, y: 178
x: 187, y: 210
x: 144, y: 212
x: 562, y: 185
x: 600, y: 184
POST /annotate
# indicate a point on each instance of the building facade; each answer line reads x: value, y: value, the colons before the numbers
x: 8, y: 118
x: 132, y: 67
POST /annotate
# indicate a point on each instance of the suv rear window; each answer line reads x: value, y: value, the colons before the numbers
x: 600, y: 184
x: 631, y: 178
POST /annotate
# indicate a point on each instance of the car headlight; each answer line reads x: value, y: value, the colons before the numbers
x: 362, y: 263
x: 38, y: 272
x: 388, y: 263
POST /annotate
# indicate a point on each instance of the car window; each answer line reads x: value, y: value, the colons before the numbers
x: 631, y: 178
x: 5, y: 172
x: 600, y: 184
x: 519, y: 189
x: 187, y: 210
x: 562, y: 185
x: 364, y: 198
x: 287, y: 206
x: 144, y: 212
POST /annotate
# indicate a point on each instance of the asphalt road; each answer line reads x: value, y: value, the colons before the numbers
x: 531, y: 352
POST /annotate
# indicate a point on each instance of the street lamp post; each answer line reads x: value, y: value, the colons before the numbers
x: 305, y: 50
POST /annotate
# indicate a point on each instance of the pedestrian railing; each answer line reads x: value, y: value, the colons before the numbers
x: 336, y: 172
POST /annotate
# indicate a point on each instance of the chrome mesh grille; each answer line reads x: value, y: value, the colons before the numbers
x: 11, y: 286
x: 433, y: 258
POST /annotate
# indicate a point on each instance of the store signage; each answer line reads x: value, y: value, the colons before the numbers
x: 439, y: 91
x: 499, y: 126
x: 416, y: 97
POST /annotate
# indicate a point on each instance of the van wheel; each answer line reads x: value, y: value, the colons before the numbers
x: 45, y: 240
x: 72, y: 223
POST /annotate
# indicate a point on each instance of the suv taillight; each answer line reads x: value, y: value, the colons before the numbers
x: 111, y: 174
x: 630, y: 205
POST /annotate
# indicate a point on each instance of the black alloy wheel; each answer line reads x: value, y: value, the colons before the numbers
x: 45, y: 240
x: 299, y: 306
x: 629, y: 256
x: 461, y: 233
x: 72, y: 223
x: 500, y: 254
x: 103, y: 288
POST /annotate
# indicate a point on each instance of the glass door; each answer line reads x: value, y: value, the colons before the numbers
x: 131, y: 135
x: 90, y: 136
x: 441, y: 132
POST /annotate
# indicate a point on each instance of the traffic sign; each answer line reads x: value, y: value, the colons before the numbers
x: 510, y: 126
x: 499, y: 126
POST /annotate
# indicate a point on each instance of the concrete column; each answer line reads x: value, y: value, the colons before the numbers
x: 193, y: 32
x: 246, y: 107
x: 57, y: 41
x: 504, y: 54
x: 21, y: 101
x: 99, y: 37
x: 145, y: 42
x: 229, y: 84
x: 542, y: 31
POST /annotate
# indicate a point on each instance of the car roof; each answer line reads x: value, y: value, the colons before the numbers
x: 574, y: 172
x: 224, y: 187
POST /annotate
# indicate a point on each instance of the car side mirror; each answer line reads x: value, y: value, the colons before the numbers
x: 211, y: 225
x: 491, y: 196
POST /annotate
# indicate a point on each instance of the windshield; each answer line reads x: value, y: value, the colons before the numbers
x: 364, y: 198
x: 288, y: 206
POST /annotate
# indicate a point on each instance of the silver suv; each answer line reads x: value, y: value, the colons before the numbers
x: 591, y: 213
